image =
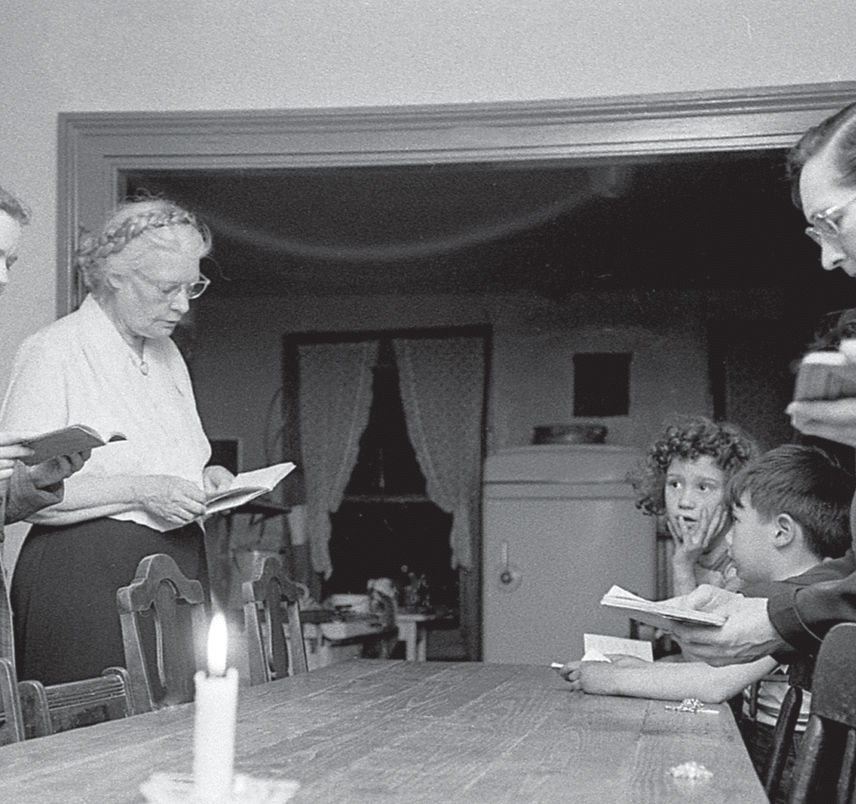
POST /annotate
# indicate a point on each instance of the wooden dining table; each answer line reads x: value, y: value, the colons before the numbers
x: 370, y: 731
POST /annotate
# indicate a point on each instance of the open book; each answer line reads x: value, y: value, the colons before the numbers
x: 74, y: 438
x: 658, y: 614
x: 247, y: 486
x: 828, y: 375
x: 597, y: 646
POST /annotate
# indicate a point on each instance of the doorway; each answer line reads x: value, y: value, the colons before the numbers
x: 393, y: 479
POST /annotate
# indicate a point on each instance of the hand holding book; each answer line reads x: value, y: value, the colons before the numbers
x: 825, y: 396
x: 247, y: 486
x: 658, y: 614
x: 65, y: 441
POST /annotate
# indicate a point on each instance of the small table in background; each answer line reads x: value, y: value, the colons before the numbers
x: 413, y: 631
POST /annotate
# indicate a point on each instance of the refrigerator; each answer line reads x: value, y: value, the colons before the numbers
x: 560, y: 528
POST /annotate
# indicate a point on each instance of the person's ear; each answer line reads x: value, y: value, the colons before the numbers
x: 786, y: 530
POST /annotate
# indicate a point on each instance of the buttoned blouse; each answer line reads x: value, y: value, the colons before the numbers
x: 79, y: 370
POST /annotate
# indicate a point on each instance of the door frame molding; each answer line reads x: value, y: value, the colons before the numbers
x: 94, y: 147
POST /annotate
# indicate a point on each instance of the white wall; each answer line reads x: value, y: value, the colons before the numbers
x: 99, y: 55
x: 115, y: 55
x: 531, y: 373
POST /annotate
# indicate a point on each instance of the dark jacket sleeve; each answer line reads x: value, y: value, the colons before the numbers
x: 23, y: 498
x: 802, y: 614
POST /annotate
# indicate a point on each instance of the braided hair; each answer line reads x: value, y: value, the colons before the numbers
x: 14, y: 207
x: 130, y: 221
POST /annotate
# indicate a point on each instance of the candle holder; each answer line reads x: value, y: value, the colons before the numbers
x: 173, y: 788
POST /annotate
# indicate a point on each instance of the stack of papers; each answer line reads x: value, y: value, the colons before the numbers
x: 662, y: 614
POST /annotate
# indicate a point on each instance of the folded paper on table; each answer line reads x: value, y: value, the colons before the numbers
x: 660, y: 614
x: 66, y: 441
x: 598, y: 646
x: 827, y: 375
x: 247, y: 486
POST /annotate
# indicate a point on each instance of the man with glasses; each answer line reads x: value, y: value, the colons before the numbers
x: 823, y: 168
x: 112, y: 365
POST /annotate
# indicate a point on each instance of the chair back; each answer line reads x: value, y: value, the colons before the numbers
x: 60, y: 707
x: 270, y: 654
x: 12, y: 724
x: 799, y: 682
x: 825, y: 767
x: 164, y: 627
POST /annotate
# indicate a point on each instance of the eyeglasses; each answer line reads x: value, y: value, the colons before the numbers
x: 193, y: 290
x: 825, y: 224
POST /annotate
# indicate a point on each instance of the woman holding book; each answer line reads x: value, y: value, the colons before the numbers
x: 113, y: 366
x: 23, y: 489
x: 823, y: 169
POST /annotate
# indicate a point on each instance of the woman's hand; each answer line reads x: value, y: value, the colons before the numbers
x: 173, y: 499
x: 11, y: 451
x: 835, y: 421
x: 216, y: 478
x: 53, y: 471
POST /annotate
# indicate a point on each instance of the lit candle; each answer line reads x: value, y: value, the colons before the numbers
x: 214, y: 734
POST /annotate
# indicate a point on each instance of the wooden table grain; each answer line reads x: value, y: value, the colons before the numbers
x: 429, y: 732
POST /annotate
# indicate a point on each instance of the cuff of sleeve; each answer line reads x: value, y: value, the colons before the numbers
x: 783, y: 613
x: 21, y: 485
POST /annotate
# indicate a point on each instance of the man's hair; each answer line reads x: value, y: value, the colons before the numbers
x: 806, y: 483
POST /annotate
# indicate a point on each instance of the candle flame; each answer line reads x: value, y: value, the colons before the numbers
x: 217, y: 639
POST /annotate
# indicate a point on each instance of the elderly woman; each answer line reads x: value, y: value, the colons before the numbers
x: 112, y: 365
x: 23, y: 489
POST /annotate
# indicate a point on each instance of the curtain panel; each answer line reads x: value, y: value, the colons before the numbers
x: 335, y: 398
x: 442, y: 391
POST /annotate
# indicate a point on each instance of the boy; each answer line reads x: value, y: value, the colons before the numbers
x: 790, y: 510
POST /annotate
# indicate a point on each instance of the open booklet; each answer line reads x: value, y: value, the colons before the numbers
x: 598, y: 646
x: 66, y: 441
x: 247, y: 486
x: 828, y: 375
x: 658, y: 614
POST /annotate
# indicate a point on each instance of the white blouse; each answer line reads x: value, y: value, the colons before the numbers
x: 79, y: 370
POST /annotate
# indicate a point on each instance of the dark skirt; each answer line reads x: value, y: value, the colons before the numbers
x: 64, y: 592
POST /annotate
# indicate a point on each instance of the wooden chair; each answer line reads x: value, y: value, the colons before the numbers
x: 799, y: 682
x: 12, y: 725
x: 270, y: 654
x: 164, y: 631
x: 60, y: 707
x: 825, y: 768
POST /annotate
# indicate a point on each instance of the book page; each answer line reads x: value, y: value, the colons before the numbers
x: 247, y: 486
